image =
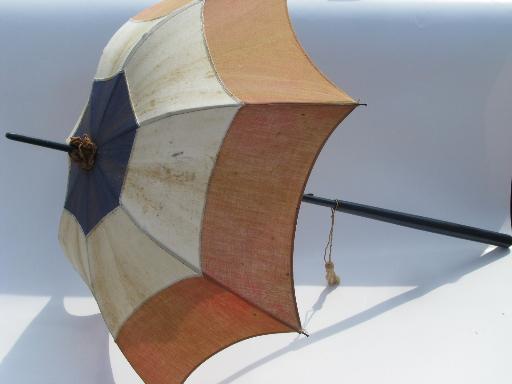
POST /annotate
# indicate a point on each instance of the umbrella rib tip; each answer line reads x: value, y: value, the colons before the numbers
x: 303, y: 332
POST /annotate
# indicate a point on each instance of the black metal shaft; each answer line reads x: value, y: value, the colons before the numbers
x: 40, y: 142
x: 399, y: 218
x: 413, y: 221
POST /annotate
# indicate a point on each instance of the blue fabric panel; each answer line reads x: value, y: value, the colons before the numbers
x: 111, y: 123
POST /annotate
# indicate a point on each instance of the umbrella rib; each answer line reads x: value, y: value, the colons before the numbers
x: 207, y: 276
x: 109, y: 187
x: 134, y: 128
x: 206, y: 108
x: 153, y: 29
x: 107, y: 104
x: 159, y: 243
x: 71, y: 191
x: 166, y: 115
x: 236, y: 105
x: 71, y: 188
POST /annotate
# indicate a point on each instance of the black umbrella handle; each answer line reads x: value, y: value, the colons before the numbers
x: 413, y: 221
x: 39, y: 142
x: 399, y: 218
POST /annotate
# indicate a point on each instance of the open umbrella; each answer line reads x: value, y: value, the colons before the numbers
x: 188, y: 167
x: 196, y: 116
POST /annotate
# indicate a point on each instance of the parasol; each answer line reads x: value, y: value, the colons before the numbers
x: 188, y: 167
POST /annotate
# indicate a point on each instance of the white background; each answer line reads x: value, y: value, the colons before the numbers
x: 434, y: 140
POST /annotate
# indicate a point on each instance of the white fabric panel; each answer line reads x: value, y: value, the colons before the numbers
x: 72, y: 240
x: 127, y: 267
x: 120, y: 45
x: 171, y: 71
x: 168, y: 173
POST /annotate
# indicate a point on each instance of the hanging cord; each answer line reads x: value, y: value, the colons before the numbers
x: 330, y: 275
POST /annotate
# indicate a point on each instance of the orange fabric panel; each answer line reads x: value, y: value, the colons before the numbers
x: 180, y: 327
x: 160, y: 9
x: 257, y: 56
x: 253, y: 199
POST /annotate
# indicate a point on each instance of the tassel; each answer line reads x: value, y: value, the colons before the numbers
x: 331, y: 276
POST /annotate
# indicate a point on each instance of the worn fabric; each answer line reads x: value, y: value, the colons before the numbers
x: 207, y: 124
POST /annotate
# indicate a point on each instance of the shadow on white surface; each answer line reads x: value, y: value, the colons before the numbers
x: 59, y: 348
x: 448, y: 277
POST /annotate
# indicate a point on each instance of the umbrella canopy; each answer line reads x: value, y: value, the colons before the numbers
x: 200, y: 110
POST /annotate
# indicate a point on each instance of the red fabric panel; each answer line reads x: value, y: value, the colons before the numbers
x: 253, y: 200
x: 160, y: 9
x: 257, y: 57
x: 180, y: 327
